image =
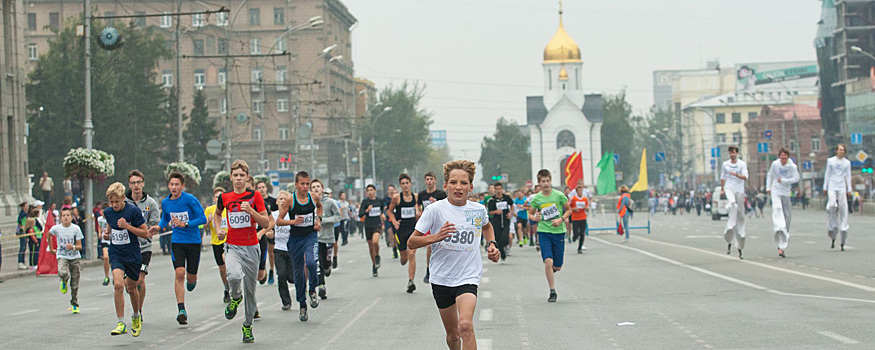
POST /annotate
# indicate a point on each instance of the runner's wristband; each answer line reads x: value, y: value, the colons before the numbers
x: 491, y: 242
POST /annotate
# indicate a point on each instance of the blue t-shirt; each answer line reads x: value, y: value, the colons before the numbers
x: 522, y: 213
x: 188, y: 209
x: 124, y: 244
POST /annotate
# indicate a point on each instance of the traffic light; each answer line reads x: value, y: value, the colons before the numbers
x: 496, y: 177
x: 348, y: 182
x: 867, y: 170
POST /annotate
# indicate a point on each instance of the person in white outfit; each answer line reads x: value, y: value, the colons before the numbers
x: 837, y: 183
x: 779, y: 180
x: 732, y: 186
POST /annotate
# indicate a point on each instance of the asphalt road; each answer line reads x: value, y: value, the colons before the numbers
x: 673, y: 289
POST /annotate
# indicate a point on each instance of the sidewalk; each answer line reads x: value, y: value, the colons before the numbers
x: 11, y: 270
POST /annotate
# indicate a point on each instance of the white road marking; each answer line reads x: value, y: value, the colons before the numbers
x: 798, y: 273
x: 226, y: 324
x: 485, y: 344
x: 484, y: 280
x: 486, y: 294
x: 24, y: 312
x: 485, y: 270
x: 708, y: 236
x: 353, y: 321
x: 838, y: 337
x: 206, y: 326
x: 486, y: 315
x: 732, y: 279
x: 809, y: 242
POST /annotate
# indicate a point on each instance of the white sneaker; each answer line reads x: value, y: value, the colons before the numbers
x: 22, y: 266
x: 583, y: 247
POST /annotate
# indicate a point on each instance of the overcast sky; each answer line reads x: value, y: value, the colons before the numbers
x: 481, y: 58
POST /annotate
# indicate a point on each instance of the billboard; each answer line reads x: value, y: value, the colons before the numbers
x: 437, y: 138
x: 793, y: 76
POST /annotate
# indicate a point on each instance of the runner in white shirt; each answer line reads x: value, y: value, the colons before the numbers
x: 284, y: 273
x: 455, y: 226
x: 732, y: 185
x: 779, y: 180
x: 837, y: 183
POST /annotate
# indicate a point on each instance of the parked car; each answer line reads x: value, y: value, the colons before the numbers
x: 718, y: 204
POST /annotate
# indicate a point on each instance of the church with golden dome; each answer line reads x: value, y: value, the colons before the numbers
x: 564, y: 119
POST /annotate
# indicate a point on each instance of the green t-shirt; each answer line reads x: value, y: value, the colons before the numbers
x: 551, y: 207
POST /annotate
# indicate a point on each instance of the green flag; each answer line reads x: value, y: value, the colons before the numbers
x: 607, y: 182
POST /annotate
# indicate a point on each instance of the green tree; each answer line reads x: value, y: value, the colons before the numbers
x: 506, y: 151
x: 126, y: 101
x: 619, y: 137
x: 400, y: 133
x: 662, y: 124
x: 200, y: 130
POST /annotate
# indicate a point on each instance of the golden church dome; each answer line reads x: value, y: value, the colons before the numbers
x: 563, y: 75
x: 562, y: 47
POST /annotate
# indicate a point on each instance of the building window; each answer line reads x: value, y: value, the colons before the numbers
x: 223, y: 77
x: 166, y: 20
x: 255, y: 46
x: 256, y: 134
x: 256, y: 106
x: 167, y: 78
x: 565, y: 139
x: 199, y: 78
x: 751, y: 115
x: 256, y: 80
x: 736, y: 138
x: 279, y: 16
x: 793, y: 145
x: 222, y: 46
x: 280, y: 165
x: 281, y: 78
x: 280, y: 46
x: 254, y: 17
x: 31, y: 21
x: 284, y: 131
x: 736, y: 118
x: 721, y: 118
x: 140, y: 21
x: 721, y: 139
x: 197, y: 20
x: 54, y: 21
x: 815, y: 144
x: 282, y: 105
x: 223, y: 106
x: 32, y: 52
x: 198, y: 47
x: 222, y: 19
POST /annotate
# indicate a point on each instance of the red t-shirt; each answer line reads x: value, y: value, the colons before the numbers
x: 581, y: 203
x: 241, y: 226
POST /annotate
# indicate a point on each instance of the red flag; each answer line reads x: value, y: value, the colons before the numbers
x: 48, y: 261
x: 573, y: 170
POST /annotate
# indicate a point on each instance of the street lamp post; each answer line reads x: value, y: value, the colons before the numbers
x: 713, y: 138
x: 664, y: 165
x: 373, y: 154
x: 89, y: 133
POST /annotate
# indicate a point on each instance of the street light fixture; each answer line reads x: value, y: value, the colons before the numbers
x: 373, y: 154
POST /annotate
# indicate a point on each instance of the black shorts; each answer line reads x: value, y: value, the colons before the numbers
x: 445, y: 296
x: 218, y: 254
x: 262, y: 245
x: 187, y: 255
x: 271, y: 241
x: 130, y: 267
x: 402, y: 236
x: 147, y: 258
x: 373, y: 231
x: 337, y: 230
x: 524, y: 223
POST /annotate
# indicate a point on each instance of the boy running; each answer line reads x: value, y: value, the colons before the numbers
x: 149, y: 207
x: 69, y: 244
x: 124, y: 219
x: 284, y: 273
x: 372, y: 211
x: 244, y: 208
x: 430, y: 195
x: 732, y: 185
x: 781, y: 177
x: 325, y: 236
x: 217, y: 244
x: 579, y: 205
x: 499, y: 207
x: 837, y: 183
x: 302, y: 244
x: 454, y: 228
x: 550, y: 208
x: 403, y: 214
x: 183, y: 213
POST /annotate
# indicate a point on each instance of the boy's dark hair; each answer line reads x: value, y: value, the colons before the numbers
x: 136, y: 172
x: 301, y: 175
x: 67, y: 209
x: 498, y: 184
x: 784, y: 151
x: 175, y: 175
x: 430, y: 173
x: 404, y: 176
x: 543, y: 173
x: 732, y: 148
x: 371, y: 186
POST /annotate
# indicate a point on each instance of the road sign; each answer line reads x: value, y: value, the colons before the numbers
x: 806, y: 165
x: 659, y: 157
x: 767, y: 134
x: 616, y: 159
x: 618, y: 175
x: 862, y: 156
x: 715, y: 152
x: 713, y: 161
x: 763, y: 147
x: 214, y: 147
x: 856, y: 138
x: 213, y: 164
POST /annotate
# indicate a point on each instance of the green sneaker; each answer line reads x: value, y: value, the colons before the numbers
x: 136, y: 326
x: 63, y: 287
x: 247, y: 335
x: 74, y: 309
x: 119, y: 329
x: 231, y: 308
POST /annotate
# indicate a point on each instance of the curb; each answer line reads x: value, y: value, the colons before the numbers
x: 29, y: 273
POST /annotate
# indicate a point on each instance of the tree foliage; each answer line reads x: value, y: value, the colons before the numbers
x: 506, y: 151
x: 126, y: 102
x: 619, y: 137
x: 663, y: 125
x: 200, y: 130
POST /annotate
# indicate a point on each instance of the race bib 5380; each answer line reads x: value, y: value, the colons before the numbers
x: 375, y: 211
x: 239, y: 219
x: 466, y: 238
x: 408, y: 212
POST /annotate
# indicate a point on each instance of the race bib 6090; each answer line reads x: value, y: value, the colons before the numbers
x: 239, y: 219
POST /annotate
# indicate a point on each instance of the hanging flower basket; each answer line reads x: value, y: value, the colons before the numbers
x: 222, y: 179
x: 192, y: 175
x: 89, y: 164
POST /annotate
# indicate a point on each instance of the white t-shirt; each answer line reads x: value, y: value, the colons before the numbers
x: 838, y: 174
x: 456, y: 260
x: 733, y: 183
x: 788, y: 174
x: 281, y: 234
x: 67, y: 235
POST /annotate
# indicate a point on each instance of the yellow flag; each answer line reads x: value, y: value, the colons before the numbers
x: 641, y: 185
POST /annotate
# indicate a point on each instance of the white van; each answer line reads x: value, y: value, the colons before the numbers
x: 718, y: 205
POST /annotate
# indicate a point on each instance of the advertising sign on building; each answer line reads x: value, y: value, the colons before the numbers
x: 779, y: 76
x: 438, y: 138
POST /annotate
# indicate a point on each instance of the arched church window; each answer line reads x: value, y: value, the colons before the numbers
x: 565, y: 139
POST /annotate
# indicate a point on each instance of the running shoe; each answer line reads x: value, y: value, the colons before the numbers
x: 314, y: 302
x: 843, y: 247
x: 136, y: 326
x: 74, y: 309
x: 538, y: 248
x: 105, y: 281
x: 287, y: 307
x: 247, y: 335
x: 256, y: 315
x: 833, y: 245
x: 63, y: 287
x: 190, y: 286
x: 583, y: 247
x: 334, y: 263
x: 302, y: 315
x: 410, y: 286
x: 552, y: 298
x: 781, y: 253
x: 182, y: 317
x: 119, y: 329
x: 227, y: 297
x: 270, y: 277
x: 322, y: 293
x: 394, y: 253
x: 425, y: 279
x: 263, y: 280
x: 729, y: 248
x: 580, y: 251
x: 22, y: 266
x: 328, y: 270
x: 374, y: 271
x: 739, y: 255
x: 378, y: 262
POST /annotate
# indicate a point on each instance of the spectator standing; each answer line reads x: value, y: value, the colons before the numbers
x: 46, y: 185
x: 68, y: 187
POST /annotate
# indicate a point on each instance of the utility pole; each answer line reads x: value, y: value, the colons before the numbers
x: 180, y: 143
x: 361, y: 170
x: 261, y: 161
x: 227, y: 133
x: 89, y: 131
